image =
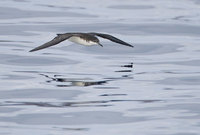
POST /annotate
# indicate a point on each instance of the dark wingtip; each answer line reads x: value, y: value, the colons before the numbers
x: 32, y: 50
x: 130, y: 45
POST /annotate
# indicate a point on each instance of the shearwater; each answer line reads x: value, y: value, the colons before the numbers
x: 86, y: 39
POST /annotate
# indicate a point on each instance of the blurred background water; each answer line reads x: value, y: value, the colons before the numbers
x: 153, y: 88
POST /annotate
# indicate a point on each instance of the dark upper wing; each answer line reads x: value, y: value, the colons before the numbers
x: 112, y: 38
x: 59, y: 38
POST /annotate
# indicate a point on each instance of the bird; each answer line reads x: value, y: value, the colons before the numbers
x: 86, y: 39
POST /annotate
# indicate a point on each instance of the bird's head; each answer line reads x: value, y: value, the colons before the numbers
x: 96, y: 40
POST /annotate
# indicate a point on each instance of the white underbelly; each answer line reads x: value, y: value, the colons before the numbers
x: 81, y: 41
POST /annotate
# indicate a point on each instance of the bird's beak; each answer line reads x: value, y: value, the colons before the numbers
x: 100, y: 44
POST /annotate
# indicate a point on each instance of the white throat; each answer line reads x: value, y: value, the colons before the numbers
x: 81, y: 41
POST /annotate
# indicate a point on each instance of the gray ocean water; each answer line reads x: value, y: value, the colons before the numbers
x: 151, y: 89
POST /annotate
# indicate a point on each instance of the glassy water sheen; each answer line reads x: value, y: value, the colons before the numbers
x: 151, y: 89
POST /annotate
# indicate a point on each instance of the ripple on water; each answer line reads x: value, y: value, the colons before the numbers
x: 185, y: 80
x: 75, y: 118
x: 39, y: 93
x: 13, y: 13
x: 17, y: 60
x: 132, y: 7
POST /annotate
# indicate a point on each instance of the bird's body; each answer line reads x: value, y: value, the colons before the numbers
x: 86, y: 39
x: 82, y: 41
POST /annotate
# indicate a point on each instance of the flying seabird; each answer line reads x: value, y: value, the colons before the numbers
x: 87, y: 39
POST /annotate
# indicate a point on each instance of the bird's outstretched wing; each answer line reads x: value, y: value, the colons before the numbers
x: 59, y: 38
x: 112, y: 38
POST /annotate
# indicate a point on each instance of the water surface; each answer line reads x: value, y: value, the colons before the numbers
x: 151, y: 89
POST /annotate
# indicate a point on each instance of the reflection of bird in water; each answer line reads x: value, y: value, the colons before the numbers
x: 86, y: 39
x: 84, y: 82
x: 73, y: 82
x: 81, y: 83
x: 130, y: 66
